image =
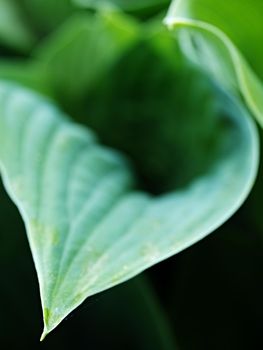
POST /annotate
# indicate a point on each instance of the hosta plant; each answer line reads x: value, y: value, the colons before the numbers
x: 125, y: 138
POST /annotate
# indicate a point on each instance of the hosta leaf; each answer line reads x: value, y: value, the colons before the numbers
x: 88, y: 227
x: 13, y: 30
x: 132, y: 307
x: 217, y: 35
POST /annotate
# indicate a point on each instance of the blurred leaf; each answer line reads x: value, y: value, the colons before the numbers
x: 216, y: 34
x: 149, y: 106
x: 88, y: 228
x: 14, y: 31
x: 26, y: 72
x: 46, y: 15
x: 126, y: 5
x: 78, y: 54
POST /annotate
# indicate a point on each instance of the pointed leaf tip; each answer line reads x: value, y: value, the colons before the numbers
x: 43, y: 335
x: 88, y: 228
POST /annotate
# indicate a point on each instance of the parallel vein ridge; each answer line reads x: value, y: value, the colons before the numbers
x: 88, y: 227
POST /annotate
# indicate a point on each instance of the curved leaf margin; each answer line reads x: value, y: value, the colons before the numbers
x: 225, y: 53
x: 122, y: 231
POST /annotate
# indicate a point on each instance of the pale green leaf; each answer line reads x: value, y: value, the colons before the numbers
x: 132, y: 307
x: 217, y: 35
x: 88, y: 228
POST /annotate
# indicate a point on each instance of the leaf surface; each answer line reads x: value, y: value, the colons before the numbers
x: 222, y: 37
x: 88, y: 227
x: 132, y: 307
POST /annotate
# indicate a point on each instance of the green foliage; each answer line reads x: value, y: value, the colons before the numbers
x: 126, y: 5
x: 46, y: 15
x: 162, y: 148
x: 14, y: 31
x: 88, y: 230
x: 132, y: 307
x: 209, y: 33
x: 86, y: 46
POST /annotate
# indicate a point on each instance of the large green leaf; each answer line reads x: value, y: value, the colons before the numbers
x: 216, y: 34
x: 88, y: 227
x: 132, y: 307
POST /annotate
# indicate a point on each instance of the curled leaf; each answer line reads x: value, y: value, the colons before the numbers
x: 88, y: 226
x: 217, y: 36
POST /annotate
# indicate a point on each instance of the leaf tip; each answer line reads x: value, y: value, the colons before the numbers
x: 46, y: 330
x: 43, y: 335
